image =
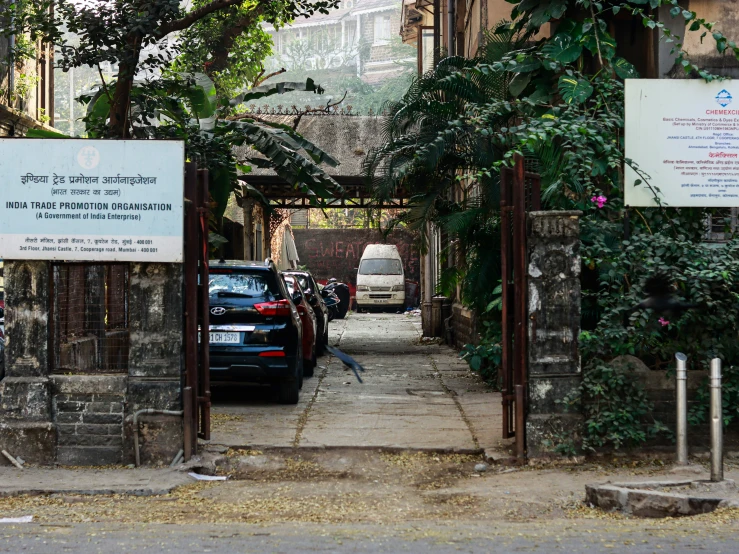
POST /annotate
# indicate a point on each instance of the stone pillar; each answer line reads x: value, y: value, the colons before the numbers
x: 554, y: 328
x: 26, y: 427
x: 155, y: 359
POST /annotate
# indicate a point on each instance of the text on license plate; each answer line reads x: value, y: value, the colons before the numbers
x: 383, y: 301
x: 222, y: 337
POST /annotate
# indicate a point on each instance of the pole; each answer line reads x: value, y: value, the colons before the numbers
x: 717, y: 439
x: 682, y: 408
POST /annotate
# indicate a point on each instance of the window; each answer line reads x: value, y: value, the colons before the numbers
x: 722, y: 224
x: 380, y: 266
x: 382, y: 29
x: 426, y: 52
x: 90, y: 318
x: 227, y: 282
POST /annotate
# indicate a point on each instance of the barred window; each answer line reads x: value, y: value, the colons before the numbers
x: 90, y: 318
x: 722, y: 224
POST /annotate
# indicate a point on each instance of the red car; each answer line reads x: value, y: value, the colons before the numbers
x: 308, y: 319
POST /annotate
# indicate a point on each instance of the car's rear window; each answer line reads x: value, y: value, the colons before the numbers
x: 290, y: 283
x: 303, y: 280
x: 380, y: 266
x: 254, y: 284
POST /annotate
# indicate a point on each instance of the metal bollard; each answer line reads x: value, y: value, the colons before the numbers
x: 717, y: 421
x: 682, y: 408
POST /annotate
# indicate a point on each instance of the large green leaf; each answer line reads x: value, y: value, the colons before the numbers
x: 624, y: 69
x: 563, y: 48
x: 294, y: 138
x: 220, y: 187
x: 201, y: 95
x: 280, y: 154
x: 574, y: 89
x: 519, y: 83
x: 274, y: 88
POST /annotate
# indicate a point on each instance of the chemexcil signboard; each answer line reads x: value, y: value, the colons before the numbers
x: 684, y: 136
x: 91, y: 200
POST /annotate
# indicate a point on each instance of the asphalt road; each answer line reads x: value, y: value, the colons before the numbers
x: 573, y: 538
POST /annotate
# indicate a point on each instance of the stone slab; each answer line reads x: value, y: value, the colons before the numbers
x: 138, y: 482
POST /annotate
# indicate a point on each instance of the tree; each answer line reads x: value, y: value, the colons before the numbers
x: 140, y: 36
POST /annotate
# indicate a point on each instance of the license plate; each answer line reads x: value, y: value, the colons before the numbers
x: 380, y: 301
x: 225, y: 338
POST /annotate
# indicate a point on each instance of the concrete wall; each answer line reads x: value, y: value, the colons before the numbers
x: 73, y: 417
x: 336, y: 252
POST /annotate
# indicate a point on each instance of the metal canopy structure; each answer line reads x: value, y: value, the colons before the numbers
x: 357, y: 194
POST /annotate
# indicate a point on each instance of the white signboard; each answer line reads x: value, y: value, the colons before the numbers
x: 684, y: 134
x: 91, y: 200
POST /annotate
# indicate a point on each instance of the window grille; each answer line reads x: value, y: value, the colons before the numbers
x: 90, y: 318
x: 722, y: 224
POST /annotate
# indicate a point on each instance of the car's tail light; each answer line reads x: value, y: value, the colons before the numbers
x: 272, y: 354
x: 277, y: 308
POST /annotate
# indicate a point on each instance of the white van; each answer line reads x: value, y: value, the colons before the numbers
x: 380, y: 278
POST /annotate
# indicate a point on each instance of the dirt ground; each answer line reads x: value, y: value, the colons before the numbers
x: 361, y: 486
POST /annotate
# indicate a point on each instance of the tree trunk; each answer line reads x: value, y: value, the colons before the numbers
x: 121, y: 101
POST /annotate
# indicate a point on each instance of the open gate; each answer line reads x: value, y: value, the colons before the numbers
x: 196, y: 392
x: 520, y: 192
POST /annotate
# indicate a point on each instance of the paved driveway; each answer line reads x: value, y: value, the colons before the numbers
x: 415, y: 395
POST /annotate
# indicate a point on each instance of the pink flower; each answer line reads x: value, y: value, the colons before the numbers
x: 664, y: 322
x: 600, y: 200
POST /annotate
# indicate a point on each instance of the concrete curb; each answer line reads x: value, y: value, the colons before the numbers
x: 639, y: 500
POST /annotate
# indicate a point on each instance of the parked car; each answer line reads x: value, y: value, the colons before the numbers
x: 380, y: 278
x: 256, y: 333
x: 313, y: 294
x: 308, y: 318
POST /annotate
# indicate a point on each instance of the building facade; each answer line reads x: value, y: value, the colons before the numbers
x: 357, y: 37
x: 26, y: 85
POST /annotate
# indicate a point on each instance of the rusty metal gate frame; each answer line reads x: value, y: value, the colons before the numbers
x: 520, y: 192
x: 196, y: 392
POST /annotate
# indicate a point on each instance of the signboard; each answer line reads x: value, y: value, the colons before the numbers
x: 684, y: 134
x: 96, y: 200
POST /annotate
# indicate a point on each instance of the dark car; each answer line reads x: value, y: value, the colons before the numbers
x: 255, y: 329
x: 312, y: 293
x: 310, y: 325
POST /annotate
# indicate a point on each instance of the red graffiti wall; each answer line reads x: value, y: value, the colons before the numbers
x: 336, y: 252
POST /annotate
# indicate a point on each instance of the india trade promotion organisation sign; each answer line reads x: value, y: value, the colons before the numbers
x: 684, y: 136
x: 91, y: 200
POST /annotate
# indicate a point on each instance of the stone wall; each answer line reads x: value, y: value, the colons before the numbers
x: 464, y: 326
x: 336, y: 252
x: 72, y: 416
x: 553, y: 328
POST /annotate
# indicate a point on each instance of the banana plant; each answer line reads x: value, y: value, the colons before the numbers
x: 185, y: 106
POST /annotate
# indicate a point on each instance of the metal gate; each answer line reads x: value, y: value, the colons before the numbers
x: 196, y: 392
x: 520, y: 192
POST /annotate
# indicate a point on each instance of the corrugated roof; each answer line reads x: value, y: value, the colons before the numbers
x: 347, y: 138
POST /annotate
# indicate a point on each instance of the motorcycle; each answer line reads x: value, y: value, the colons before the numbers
x: 342, y: 291
x: 332, y: 303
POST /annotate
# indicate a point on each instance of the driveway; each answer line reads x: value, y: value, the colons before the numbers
x: 416, y: 395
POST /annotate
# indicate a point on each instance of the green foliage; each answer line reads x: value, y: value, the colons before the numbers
x: 616, y: 408
x: 705, y: 275
x: 699, y: 412
x: 485, y: 358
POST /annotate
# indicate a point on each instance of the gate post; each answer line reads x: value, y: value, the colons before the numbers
x: 553, y: 329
